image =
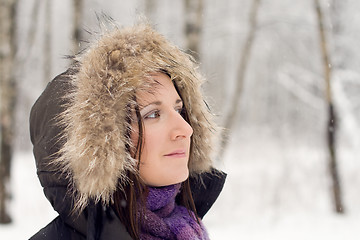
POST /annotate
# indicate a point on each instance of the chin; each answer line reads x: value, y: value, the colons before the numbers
x: 178, y: 179
x: 165, y: 179
x: 183, y: 177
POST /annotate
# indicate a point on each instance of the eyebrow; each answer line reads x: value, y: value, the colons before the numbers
x: 158, y: 103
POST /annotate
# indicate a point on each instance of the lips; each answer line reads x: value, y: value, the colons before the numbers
x: 176, y: 154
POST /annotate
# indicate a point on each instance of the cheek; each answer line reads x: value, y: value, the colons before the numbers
x: 151, y: 146
x: 151, y: 143
x: 155, y: 169
x: 152, y: 138
x: 151, y: 157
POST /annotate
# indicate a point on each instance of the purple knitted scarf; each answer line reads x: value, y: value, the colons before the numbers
x: 164, y: 219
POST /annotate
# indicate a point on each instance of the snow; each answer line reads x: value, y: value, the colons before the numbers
x: 278, y: 191
x: 277, y: 186
x: 270, y: 193
x: 30, y: 210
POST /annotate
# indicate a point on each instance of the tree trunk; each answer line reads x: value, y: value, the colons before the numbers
x: 331, y: 126
x: 47, y: 42
x: 150, y: 7
x: 241, y: 72
x: 24, y: 55
x: 193, y: 26
x: 7, y: 100
x: 78, y: 13
x: 33, y: 27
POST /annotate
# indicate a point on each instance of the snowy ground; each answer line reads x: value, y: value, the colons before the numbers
x: 263, y: 198
x: 278, y: 191
x: 30, y: 209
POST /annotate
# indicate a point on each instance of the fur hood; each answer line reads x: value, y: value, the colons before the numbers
x: 95, y: 120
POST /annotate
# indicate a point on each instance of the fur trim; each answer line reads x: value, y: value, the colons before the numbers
x: 96, y: 119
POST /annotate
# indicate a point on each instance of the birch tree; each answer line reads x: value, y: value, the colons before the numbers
x: 47, y: 41
x: 193, y: 26
x: 150, y: 7
x: 78, y: 14
x: 7, y: 100
x: 331, y: 125
x: 33, y: 30
x: 241, y: 74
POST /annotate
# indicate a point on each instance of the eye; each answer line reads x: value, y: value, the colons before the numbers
x: 180, y: 110
x: 152, y: 115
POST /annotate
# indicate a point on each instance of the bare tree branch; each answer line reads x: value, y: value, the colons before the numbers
x: 331, y: 127
x: 241, y: 72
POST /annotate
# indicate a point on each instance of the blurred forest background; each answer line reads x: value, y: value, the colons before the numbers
x: 283, y: 79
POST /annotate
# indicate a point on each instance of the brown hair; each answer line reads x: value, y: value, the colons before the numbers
x: 126, y: 197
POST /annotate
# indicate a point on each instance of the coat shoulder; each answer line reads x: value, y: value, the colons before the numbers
x: 58, y: 230
x: 206, y: 188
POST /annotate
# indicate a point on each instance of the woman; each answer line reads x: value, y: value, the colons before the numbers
x: 122, y: 142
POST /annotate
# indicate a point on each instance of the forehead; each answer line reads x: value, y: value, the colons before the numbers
x: 161, y: 88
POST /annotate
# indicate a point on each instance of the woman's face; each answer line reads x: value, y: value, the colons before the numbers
x: 166, y: 136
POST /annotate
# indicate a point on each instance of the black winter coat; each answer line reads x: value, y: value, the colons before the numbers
x: 96, y: 221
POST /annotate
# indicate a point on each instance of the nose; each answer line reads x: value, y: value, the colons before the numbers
x: 180, y: 128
